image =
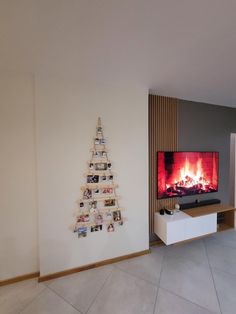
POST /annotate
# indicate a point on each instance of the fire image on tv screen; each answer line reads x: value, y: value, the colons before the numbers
x: 186, y: 173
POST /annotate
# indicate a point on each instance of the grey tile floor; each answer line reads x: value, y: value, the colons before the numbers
x: 198, y: 277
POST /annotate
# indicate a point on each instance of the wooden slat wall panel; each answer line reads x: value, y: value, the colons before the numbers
x: 163, y: 135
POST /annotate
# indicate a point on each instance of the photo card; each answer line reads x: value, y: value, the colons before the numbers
x: 81, y: 204
x: 96, y: 228
x: 109, y: 166
x: 97, y: 141
x: 92, y: 204
x: 92, y: 179
x: 117, y: 215
x: 98, y: 219
x: 83, y: 218
x: 82, y: 232
x: 110, y: 227
x: 97, y: 154
x: 109, y: 202
x: 110, y: 178
x: 87, y: 194
x: 103, y: 178
x: 96, y: 191
x: 91, y: 165
x: 107, y: 191
x: 102, y: 141
x: 99, y: 129
x: 101, y: 166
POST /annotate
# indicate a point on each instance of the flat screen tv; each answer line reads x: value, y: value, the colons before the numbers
x: 186, y: 173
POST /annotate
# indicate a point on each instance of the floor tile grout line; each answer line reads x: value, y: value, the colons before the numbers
x: 204, y: 265
x: 35, y: 298
x: 159, y: 281
x: 61, y: 297
x: 212, y: 277
x: 136, y: 276
x: 103, y: 285
x: 183, y: 298
x: 176, y: 255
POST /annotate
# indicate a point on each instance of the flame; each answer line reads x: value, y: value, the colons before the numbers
x: 181, y: 174
x: 191, y: 175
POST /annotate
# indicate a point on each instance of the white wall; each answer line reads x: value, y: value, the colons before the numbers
x: 18, y: 212
x: 67, y: 112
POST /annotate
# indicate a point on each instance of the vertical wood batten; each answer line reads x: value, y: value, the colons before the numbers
x: 163, y: 135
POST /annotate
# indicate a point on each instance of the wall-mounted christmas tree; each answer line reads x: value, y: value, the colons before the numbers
x: 99, y: 204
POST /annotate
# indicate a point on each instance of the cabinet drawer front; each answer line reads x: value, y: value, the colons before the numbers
x: 175, y: 232
x: 209, y: 225
x: 199, y: 226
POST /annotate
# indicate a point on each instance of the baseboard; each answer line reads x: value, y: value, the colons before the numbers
x: 19, y: 278
x: 156, y: 243
x: 90, y: 266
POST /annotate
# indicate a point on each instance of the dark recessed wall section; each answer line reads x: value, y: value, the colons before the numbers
x: 204, y: 127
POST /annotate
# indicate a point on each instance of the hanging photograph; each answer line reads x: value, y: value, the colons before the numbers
x: 101, y: 166
x: 117, y: 215
x: 92, y: 179
x: 110, y: 178
x: 99, y: 129
x: 96, y: 228
x: 109, y: 165
x: 107, y: 191
x: 87, y: 194
x: 97, y: 141
x: 102, y: 141
x: 82, y: 232
x: 83, y: 218
x: 103, y: 154
x: 81, y: 204
x: 98, y: 219
x: 96, y: 154
x: 96, y: 191
x: 92, y: 204
x: 110, y: 228
x: 103, y: 178
x: 110, y: 202
x: 91, y: 166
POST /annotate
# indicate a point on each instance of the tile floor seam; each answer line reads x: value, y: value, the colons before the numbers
x: 196, y: 304
x: 99, y: 290
x: 136, y: 276
x: 35, y: 298
x: 187, y: 258
x: 61, y: 297
x: 159, y: 281
x: 212, y: 277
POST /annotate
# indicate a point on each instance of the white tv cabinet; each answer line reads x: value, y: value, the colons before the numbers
x: 192, y: 223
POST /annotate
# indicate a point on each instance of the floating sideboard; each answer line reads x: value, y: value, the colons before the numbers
x: 193, y: 223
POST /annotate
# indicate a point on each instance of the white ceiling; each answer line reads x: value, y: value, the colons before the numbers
x: 184, y: 48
